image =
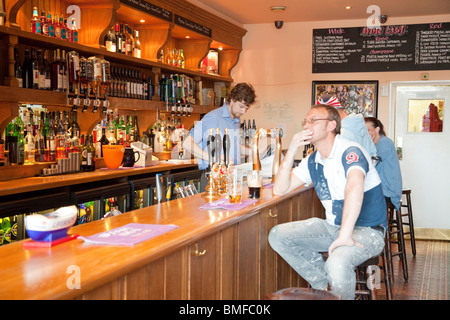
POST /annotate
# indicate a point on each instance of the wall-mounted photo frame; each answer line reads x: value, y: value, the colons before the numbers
x: 354, y: 96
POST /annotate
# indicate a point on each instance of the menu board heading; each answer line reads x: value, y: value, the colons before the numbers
x: 386, y: 48
x: 149, y: 8
x: 191, y: 25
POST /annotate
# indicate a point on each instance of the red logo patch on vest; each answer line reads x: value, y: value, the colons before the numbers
x: 351, y: 157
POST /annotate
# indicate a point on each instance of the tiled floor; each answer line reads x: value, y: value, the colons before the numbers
x: 428, y: 273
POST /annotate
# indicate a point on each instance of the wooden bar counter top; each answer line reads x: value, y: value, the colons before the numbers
x: 213, y: 254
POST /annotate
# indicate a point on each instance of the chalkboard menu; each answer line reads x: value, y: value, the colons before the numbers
x: 149, y: 8
x: 387, y: 48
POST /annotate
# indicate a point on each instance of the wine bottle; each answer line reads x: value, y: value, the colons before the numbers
x: 47, y: 72
x: 18, y: 68
x: 137, y: 45
x: 118, y: 39
x: 41, y: 80
x: 35, y: 70
x: 110, y: 41
x: 103, y: 140
x: 84, y: 152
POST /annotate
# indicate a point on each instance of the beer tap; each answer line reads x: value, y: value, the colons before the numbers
x: 218, y: 145
x: 211, y: 148
x: 226, y: 147
x: 276, y: 133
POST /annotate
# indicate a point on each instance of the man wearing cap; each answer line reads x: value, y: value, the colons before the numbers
x: 353, y: 126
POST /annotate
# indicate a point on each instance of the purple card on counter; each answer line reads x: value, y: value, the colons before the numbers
x: 129, y: 234
x: 225, y: 204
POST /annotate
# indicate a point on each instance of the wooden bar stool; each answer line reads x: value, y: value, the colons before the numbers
x: 409, y: 223
x: 396, y: 236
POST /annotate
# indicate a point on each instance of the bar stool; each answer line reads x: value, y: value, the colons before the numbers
x: 296, y: 293
x: 396, y: 236
x: 364, y: 273
x: 409, y: 223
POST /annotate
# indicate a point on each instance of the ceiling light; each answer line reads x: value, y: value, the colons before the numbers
x: 278, y: 8
x: 142, y: 21
x: 220, y: 48
x: 187, y: 37
x: 347, y: 7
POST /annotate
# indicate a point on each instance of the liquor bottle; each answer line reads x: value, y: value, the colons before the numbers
x: 174, y: 57
x: 17, y: 68
x: 47, y: 72
x: 57, y: 72
x: 84, y: 151
x: 122, y: 35
x: 35, y: 70
x: 74, y: 31
x: 73, y: 63
x: 63, y: 24
x: 41, y: 80
x: 178, y: 58
x: 75, y: 128
x: 91, y: 155
x: 39, y: 144
x: 51, y: 26
x: 130, y: 130
x: 68, y: 31
x: 137, y: 45
x: 182, y: 59
x: 29, y: 146
x: 35, y: 22
x: 144, y: 87
x: 118, y: 38
x: 127, y: 41
x: 57, y: 26
x: 137, y: 136
x: 168, y: 56
x: 65, y: 80
x: 110, y: 41
x: 43, y: 20
x: 161, y: 56
x: 103, y: 140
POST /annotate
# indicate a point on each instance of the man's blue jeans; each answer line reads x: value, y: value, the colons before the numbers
x: 300, y: 244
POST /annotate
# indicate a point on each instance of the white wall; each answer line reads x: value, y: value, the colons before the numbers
x: 278, y: 63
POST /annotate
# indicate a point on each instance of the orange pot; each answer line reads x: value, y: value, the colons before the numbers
x: 113, y: 155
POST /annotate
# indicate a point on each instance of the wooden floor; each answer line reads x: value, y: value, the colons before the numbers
x: 428, y: 273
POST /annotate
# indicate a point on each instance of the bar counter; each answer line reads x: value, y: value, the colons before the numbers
x: 47, y: 182
x: 213, y: 254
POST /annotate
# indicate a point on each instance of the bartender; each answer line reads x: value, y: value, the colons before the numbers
x: 240, y: 99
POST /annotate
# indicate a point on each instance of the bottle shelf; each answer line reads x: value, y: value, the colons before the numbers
x: 41, y: 41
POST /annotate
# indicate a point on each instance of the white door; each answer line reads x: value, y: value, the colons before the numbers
x: 425, y: 156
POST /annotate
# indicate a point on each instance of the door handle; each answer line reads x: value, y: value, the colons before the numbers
x: 272, y: 215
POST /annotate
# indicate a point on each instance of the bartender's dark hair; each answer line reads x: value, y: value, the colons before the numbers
x: 242, y: 92
x: 333, y: 115
x: 376, y: 123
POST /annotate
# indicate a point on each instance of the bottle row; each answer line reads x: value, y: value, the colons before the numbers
x: 51, y: 26
x: 122, y: 39
x: 95, y: 77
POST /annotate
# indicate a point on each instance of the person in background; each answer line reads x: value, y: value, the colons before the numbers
x: 349, y: 188
x: 240, y: 99
x: 352, y: 126
x: 388, y: 165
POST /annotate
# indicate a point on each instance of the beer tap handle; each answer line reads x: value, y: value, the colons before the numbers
x: 218, y: 147
x: 226, y: 147
x: 211, y: 146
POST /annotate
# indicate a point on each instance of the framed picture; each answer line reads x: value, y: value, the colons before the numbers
x: 354, y: 96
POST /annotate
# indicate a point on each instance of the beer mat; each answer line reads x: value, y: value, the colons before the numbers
x: 268, y: 186
x: 122, y: 168
x: 129, y: 234
x: 48, y: 244
x: 225, y: 204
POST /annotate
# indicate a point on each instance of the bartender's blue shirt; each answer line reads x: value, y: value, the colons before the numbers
x: 217, y: 118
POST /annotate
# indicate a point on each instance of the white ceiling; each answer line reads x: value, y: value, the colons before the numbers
x: 258, y: 11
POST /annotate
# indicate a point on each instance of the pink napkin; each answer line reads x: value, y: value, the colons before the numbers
x: 224, y: 204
